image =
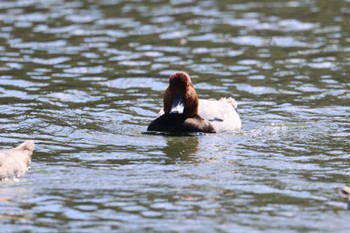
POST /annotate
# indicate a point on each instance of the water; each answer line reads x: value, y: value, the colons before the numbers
x: 84, y: 79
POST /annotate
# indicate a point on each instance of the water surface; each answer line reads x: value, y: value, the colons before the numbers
x: 84, y: 79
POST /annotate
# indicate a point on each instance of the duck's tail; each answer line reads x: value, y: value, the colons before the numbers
x: 26, y: 146
x: 231, y: 101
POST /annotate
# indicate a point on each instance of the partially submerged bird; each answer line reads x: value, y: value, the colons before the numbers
x: 15, y: 162
x: 184, y: 112
x: 345, y: 193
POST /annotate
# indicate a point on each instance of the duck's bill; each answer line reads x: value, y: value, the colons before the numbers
x: 177, y: 106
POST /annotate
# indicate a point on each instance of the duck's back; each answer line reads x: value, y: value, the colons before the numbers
x: 221, y: 114
x: 15, y: 162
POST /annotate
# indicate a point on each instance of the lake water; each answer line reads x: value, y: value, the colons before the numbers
x: 85, y: 78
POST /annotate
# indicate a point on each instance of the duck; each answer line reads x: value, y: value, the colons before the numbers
x: 183, y: 111
x: 15, y: 162
x: 345, y: 193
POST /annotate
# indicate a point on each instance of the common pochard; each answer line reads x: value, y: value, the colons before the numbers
x: 184, y: 112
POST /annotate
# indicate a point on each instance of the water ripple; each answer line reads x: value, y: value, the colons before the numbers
x: 85, y: 78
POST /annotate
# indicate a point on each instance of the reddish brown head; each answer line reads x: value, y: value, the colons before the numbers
x: 180, y: 96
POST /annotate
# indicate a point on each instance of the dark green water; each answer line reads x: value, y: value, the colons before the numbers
x: 84, y: 79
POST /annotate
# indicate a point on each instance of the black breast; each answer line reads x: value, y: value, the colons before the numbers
x: 173, y: 122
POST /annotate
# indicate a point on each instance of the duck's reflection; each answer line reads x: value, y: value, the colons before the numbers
x: 181, y: 148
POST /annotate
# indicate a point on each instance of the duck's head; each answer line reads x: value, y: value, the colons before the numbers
x: 181, y: 108
x: 180, y: 96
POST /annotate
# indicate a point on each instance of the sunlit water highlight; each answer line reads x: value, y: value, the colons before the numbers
x: 84, y: 79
